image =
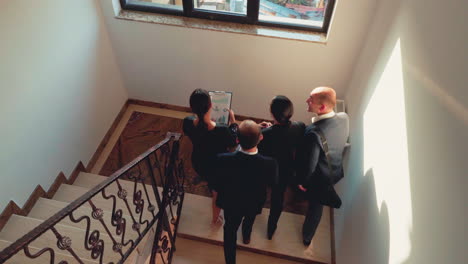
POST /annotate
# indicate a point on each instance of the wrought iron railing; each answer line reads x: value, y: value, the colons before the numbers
x: 119, y: 212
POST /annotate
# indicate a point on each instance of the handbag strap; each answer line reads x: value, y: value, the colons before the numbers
x: 325, y: 149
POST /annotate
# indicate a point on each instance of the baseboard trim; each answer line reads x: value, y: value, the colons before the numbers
x: 159, y: 105
x: 13, y: 208
x: 186, y: 109
x: 253, y: 250
x: 332, y: 236
x: 107, y: 137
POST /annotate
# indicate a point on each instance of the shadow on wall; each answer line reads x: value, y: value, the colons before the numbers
x: 408, y: 107
x: 362, y: 225
x: 368, y: 231
x: 435, y: 61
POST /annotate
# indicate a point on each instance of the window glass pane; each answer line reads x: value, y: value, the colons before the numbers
x: 173, y: 4
x: 234, y: 6
x: 303, y: 12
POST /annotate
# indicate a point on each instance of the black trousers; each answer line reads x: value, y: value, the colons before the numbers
x: 312, y: 219
x: 231, y: 224
x: 277, y: 200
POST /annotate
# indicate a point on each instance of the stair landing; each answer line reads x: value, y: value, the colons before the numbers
x: 286, y: 243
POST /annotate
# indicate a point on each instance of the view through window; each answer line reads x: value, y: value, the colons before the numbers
x: 302, y: 14
x: 306, y: 12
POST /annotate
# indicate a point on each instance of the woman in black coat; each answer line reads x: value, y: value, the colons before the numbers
x: 280, y: 141
x: 208, y: 139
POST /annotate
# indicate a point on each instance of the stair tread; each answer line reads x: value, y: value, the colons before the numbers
x: 69, y: 193
x: 196, y: 216
x: 89, y: 180
x: 195, y: 252
x: 21, y: 258
x: 44, y: 208
x: 17, y: 226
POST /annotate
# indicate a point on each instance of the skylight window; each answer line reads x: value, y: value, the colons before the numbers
x: 311, y: 15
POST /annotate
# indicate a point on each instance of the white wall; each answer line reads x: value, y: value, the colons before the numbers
x: 164, y: 63
x: 60, y: 90
x: 404, y: 190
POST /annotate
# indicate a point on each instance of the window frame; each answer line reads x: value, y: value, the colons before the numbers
x: 252, y: 16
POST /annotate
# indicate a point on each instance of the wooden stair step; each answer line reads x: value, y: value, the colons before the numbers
x: 69, y: 193
x: 18, y: 225
x: 89, y: 180
x: 286, y: 243
x: 44, y: 208
x: 21, y: 258
x: 196, y: 252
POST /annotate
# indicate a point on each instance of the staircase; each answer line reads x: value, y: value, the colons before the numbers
x: 133, y: 215
x: 129, y: 217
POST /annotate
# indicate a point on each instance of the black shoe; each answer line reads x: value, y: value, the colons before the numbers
x: 306, y: 242
x: 270, y: 232
x: 246, y: 240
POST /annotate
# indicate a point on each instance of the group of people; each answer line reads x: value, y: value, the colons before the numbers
x: 239, y: 162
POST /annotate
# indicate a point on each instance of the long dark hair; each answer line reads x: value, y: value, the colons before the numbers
x: 200, y: 102
x: 282, y: 109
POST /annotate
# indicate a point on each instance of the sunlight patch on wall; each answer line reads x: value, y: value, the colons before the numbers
x: 386, y: 154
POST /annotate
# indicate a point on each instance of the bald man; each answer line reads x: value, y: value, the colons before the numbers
x: 315, y: 175
x: 242, y: 185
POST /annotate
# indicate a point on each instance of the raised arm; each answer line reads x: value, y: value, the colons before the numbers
x: 232, y: 117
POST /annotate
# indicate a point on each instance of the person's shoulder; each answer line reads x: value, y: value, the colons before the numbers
x: 227, y: 155
x: 310, y: 129
x: 298, y: 126
x: 189, y: 120
x: 311, y: 132
x: 342, y: 116
x: 265, y: 158
x: 188, y: 125
x: 267, y: 131
x: 267, y: 162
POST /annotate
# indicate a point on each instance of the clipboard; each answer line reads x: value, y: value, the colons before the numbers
x: 220, y: 106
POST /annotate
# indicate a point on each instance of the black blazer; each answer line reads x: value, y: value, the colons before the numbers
x: 242, y: 181
x: 207, y: 144
x: 313, y: 168
x: 281, y: 142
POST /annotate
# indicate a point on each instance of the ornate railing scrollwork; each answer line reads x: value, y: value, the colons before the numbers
x: 117, y: 214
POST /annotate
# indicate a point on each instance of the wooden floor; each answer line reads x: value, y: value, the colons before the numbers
x: 142, y: 127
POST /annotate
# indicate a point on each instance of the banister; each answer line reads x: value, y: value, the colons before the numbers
x: 49, y: 224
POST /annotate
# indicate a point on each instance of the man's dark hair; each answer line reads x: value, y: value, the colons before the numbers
x: 249, y: 134
x: 200, y: 102
x: 282, y: 109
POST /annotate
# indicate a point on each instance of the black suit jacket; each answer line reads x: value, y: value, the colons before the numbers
x: 313, y: 171
x: 242, y: 181
x: 281, y: 142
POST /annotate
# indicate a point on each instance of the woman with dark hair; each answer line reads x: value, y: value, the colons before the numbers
x: 281, y: 141
x: 208, y: 139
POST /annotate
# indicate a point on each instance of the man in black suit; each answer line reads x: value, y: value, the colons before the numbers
x: 242, y: 186
x: 314, y: 173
